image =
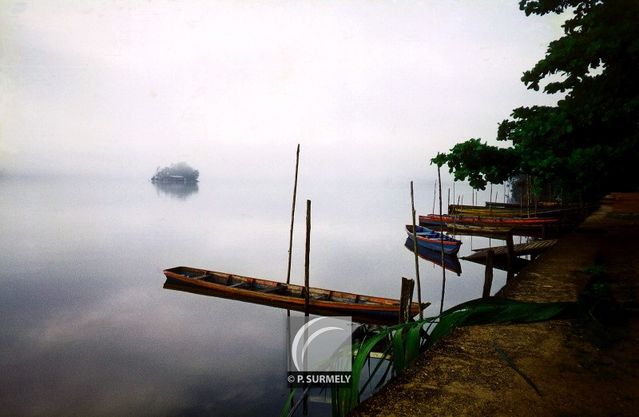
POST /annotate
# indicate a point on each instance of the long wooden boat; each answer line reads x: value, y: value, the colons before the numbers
x: 544, y: 204
x: 451, y: 262
x: 434, y: 240
x: 465, y: 210
x: 501, y: 212
x: 476, y: 229
x: 436, y: 220
x: 363, y: 308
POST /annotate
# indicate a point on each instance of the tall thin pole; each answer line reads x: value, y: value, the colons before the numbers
x: 419, y: 285
x: 434, y: 195
x: 307, y: 257
x: 290, y: 241
x: 441, y: 231
x: 454, y: 191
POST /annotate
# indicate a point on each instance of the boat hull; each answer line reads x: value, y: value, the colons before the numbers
x: 430, y: 239
x: 436, y: 220
x: 361, y: 308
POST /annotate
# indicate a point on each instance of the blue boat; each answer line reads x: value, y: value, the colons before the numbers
x: 433, y: 240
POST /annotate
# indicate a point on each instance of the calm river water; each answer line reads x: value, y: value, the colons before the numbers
x: 87, y: 328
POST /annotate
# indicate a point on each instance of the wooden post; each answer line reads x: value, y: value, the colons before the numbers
x: 405, y: 300
x: 290, y: 242
x: 528, y: 193
x: 511, y: 254
x: 454, y: 191
x: 307, y: 253
x: 419, y: 286
x: 441, y: 230
x: 488, y: 274
x: 434, y: 195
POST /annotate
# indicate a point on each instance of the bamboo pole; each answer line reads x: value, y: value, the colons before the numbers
x: 434, y: 195
x: 307, y: 261
x: 441, y: 220
x: 454, y: 191
x: 290, y: 241
x: 528, y: 193
x: 419, y: 285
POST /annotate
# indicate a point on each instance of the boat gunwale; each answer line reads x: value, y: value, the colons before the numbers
x: 371, y: 303
x: 437, y: 219
x: 448, y: 240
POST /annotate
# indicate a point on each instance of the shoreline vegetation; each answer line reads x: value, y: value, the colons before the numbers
x: 180, y: 173
x: 583, y: 147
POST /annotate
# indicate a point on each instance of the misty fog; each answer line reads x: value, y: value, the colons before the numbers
x: 369, y: 89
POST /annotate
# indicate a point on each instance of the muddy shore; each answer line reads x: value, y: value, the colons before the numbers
x: 584, y: 366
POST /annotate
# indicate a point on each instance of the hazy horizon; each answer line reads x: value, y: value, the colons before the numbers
x: 369, y: 89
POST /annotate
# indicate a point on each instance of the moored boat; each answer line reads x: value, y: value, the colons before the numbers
x: 475, y: 229
x: 363, y: 308
x: 434, y: 240
x: 517, y: 212
x: 436, y: 220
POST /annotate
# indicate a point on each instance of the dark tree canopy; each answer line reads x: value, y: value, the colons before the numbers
x: 589, y: 142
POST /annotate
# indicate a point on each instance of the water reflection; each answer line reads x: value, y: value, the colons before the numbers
x: 451, y: 262
x: 88, y: 329
x: 179, y: 190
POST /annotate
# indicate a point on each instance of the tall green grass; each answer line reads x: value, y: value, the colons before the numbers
x: 405, y: 342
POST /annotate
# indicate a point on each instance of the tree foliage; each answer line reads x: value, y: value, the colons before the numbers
x: 180, y: 170
x: 589, y: 141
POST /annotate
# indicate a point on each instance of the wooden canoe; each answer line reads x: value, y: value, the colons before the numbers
x: 550, y: 204
x: 436, y: 220
x: 362, y: 308
x: 475, y: 229
x: 434, y: 240
x: 518, y: 212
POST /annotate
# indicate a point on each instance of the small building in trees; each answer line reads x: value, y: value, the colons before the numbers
x: 180, y: 172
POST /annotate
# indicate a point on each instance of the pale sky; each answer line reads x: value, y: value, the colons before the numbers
x: 369, y: 88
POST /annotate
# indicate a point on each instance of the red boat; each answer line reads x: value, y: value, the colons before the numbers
x: 437, y: 220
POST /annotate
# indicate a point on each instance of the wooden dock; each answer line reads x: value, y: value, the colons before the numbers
x: 521, y: 249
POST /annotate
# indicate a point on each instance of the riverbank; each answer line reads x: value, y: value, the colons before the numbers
x: 578, y: 367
